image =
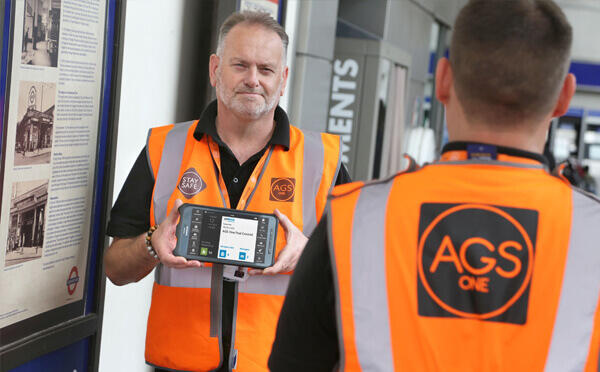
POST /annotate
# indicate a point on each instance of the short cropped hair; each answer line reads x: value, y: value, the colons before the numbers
x: 252, y: 18
x: 509, y: 58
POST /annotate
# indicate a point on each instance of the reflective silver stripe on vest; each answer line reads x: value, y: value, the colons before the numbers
x: 266, y: 284
x: 312, y: 173
x: 369, y: 282
x: 168, y: 170
x: 195, y: 277
x: 166, y: 181
x: 574, y: 321
x: 201, y: 278
x: 148, y: 156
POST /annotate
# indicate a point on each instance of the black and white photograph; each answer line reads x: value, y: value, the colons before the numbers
x: 33, y: 142
x: 27, y: 221
x: 41, y: 31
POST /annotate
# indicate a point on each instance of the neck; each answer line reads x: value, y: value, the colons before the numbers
x: 528, y: 136
x: 522, y: 142
x: 245, y: 137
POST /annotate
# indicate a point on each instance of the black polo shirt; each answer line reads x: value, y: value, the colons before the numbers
x: 130, y: 215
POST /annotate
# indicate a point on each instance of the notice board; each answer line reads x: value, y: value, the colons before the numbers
x: 55, y: 160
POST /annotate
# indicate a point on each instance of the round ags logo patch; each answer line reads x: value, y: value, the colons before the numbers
x: 191, y: 183
x: 475, y: 261
x: 73, y: 280
x: 283, y: 189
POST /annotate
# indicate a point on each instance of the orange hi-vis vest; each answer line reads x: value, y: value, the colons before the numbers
x: 467, y: 265
x: 181, y: 335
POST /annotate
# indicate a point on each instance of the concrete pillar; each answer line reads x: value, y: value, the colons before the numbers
x: 315, y: 40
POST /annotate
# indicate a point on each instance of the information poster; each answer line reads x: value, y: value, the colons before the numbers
x: 49, y: 154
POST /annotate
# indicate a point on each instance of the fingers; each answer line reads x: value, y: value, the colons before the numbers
x: 280, y: 265
x: 182, y: 263
x: 289, y: 255
x: 277, y: 268
x: 169, y: 259
x: 164, y: 240
x: 271, y: 270
x: 286, y: 261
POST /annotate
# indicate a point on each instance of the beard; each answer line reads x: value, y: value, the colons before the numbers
x: 249, y: 108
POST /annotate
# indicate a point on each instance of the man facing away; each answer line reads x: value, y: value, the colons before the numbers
x: 238, y: 149
x: 483, y: 261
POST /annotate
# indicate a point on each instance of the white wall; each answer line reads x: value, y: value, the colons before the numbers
x: 148, y: 93
x: 583, y: 16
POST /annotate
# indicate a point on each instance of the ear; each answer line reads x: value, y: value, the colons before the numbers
x: 286, y: 70
x: 212, y: 69
x: 443, y: 80
x: 566, y: 93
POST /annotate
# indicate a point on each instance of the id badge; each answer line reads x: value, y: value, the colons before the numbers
x: 233, y: 273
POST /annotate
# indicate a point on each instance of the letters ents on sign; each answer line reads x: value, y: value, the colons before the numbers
x: 283, y: 189
x: 343, y: 103
x: 475, y: 261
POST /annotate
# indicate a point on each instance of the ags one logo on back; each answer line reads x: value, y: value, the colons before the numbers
x: 475, y: 261
x: 472, y: 278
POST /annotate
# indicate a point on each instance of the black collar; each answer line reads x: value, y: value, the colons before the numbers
x: 459, y: 145
x: 206, y: 125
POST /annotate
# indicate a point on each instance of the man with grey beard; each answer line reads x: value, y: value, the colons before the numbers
x: 237, y: 153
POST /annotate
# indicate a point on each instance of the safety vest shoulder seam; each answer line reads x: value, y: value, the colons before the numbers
x: 374, y: 183
x: 585, y: 193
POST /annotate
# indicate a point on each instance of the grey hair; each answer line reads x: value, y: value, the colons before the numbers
x: 250, y: 17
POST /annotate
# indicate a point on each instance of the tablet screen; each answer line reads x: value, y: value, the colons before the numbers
x: 215, y: 234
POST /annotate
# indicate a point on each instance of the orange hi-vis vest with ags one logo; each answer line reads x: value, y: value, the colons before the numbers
x: 181, y: 334
x: 467, y: 265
